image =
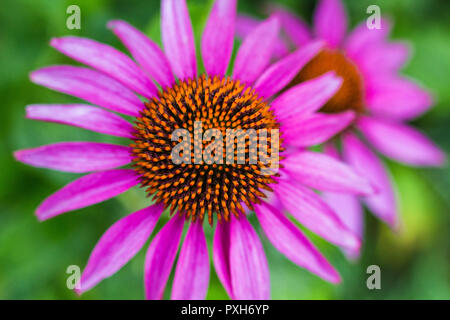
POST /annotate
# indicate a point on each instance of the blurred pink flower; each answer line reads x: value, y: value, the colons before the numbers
x: 372, y: 87
x: 114, y: 83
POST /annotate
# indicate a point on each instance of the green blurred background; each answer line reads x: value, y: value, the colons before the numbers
x: 34, y: 256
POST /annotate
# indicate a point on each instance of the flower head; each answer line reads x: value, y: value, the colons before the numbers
x: 164, y: 95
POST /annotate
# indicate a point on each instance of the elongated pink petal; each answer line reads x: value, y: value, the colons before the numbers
x: 249, y: 270
x: 305, y: 98
x: 87, y: 190
x: 83, y: 116
x: 118, y: 245
x: 317, y: 128
x: 178, y: 38
x: 160, y: 257
x: 307, y: 207
x: 277, y: 76
x: 246, y: 24
x: 322, y: 172
x: 362, y: 37
x: 295, y: 28
x: 218, y: 37
x: 401, y: 142
x: 89, y: 85
x: 76, y: 156
x: 330, y: 22
x: 221, y: 255
x: 255, y: 51
x: 396, y: 98
x: 366, y: 162
x: 192, y: 273
x: 349, y: 210
x: 108, y: 60
x: 383, y: 57
x: 290, y: 241
x: 145, y: 51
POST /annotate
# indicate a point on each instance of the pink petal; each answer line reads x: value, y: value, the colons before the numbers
x: 367, y: 163
x: 89, y: 85
x: 108, y: 60
x: 397, y: 98
x: 160, y: 257
x: 317, y: 128
x: 83, y: 116
x: 277, y: 76
x: 192, y: 273
x: 383, y: 57
x: 249, y: 270
x: 145, y: 51
x: 349, y: 210
x: 118, y: 245
x: 76, y: 156
x: 294, y: 27
x: 221, y: 255
x: 246, y: 24
x: 290, y: 241
x: 255, y: 51
x: 218, y: 37
x: 87, y: 190
x: 361, y: 37
x: 401, y: 142
x: 330, y: 22
x: 305, y: 98
x: 322, y: 172
x: 178, y: 38
x: 307, y: 207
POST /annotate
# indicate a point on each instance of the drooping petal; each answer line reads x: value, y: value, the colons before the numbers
x: 255, y: 51
x: 362, y: 36
x: 118, y: 245
x: 160, y: 257
x: 246, y: 24
x: 295, y: 28
x: 83, y: 116
x: 382, y: 57
x: 349, y: 210
x: 290, y: 241
x: 87, y: 190
x: 330, y: 22
x: 396, y: 98
x: 218, y: 37
x: 145, y: 51
x: 401, y: 142
x: 192, y: 273
x: 277, y: 76
x: 307, y: 207
x: 306, y: 98
x: 317, y: 128
x: 221, y: 256
x: 89, y: 85
x: 108, y: 60
x: 76, y: 156
x: 178, y: 38
x: 250, y: 277
x: 366, y: 162
x: 322, y: 172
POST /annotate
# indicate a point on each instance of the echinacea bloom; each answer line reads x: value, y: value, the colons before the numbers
x: 372, y: 87
x: 196, y: 190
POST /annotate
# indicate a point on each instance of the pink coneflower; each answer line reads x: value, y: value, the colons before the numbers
x: 382, y: 99
x: 197, y: 190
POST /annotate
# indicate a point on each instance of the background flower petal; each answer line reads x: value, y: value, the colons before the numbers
x: 330, y: 21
